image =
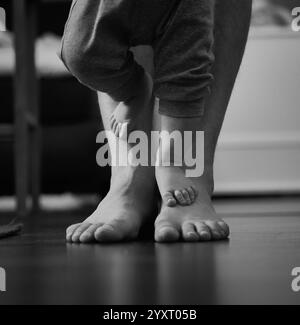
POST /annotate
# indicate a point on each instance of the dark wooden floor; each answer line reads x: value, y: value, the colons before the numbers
x: 253, y: 267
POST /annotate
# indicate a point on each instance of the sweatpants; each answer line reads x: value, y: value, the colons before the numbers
x: 99, y: 34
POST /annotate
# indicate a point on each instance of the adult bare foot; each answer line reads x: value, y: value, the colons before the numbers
x: 121, y: 213
x: 195, y: 222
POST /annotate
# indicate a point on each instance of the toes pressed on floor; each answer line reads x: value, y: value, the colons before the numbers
x: 71, y: 229
x: 189, y: 232
x: 167, y: 234
x: 217, y: 232
x: 203, y: 231
x: 224, y: 227
x: 78, y: 231
x: 88, y: 235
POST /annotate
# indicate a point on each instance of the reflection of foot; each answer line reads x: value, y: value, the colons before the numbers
x: 196, y: 222
x: 126, y: 115
x: 119, y: 216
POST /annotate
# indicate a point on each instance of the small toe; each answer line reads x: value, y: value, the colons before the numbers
x: 179, y: 196
x: 191, y: 194
x: 186, y: 196
x: 88, y: 235
x: 203, y: 231
x: 224, y: 227
x: 77, y: 233
x: 107, y: 233
x: 169, y: 199
x: 216, y: 231
x: 189, y: 232
x: 70, y: 230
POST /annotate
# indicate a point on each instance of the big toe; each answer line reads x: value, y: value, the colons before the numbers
x: 166, y: 233
x: 108, y: 233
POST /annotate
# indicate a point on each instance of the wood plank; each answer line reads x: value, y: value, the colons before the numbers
x: 253, y: 267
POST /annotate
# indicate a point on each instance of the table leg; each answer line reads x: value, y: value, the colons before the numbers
x: 26, y: 105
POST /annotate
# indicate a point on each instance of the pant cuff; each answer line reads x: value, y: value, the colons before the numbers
x: 181, y: 109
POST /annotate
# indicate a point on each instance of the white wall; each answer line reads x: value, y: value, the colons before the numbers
x: 259, y: 147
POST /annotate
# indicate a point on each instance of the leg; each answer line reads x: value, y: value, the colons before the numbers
x: 95, y: 49
x: 131, y: 197
x: 199, y: 221
x: 34, y: 123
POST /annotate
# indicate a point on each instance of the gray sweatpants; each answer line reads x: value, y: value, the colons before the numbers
x: 99, y: 34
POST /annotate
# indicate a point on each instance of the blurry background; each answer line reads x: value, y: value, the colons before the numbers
x: 259, y: 148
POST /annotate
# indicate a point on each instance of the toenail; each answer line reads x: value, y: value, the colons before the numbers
x: 192, y: 234
x: 165, y: 230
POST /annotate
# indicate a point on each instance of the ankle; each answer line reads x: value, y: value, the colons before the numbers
x: 205, y: 183
x: 138, y: 179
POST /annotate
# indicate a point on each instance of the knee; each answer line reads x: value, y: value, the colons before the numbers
x: 75, y: 59
x: 88, y: 63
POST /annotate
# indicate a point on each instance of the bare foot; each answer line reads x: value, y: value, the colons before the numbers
x: 192, y: 223
x: 197, y: 221
x: 120, y: 214
x: 126, y: 115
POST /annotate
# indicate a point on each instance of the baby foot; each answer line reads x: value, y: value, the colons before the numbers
x: 177, y: 190
x: 126, y: 115
x: 180, y: 190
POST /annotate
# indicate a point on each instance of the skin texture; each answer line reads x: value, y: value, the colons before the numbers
x: 131, y: 198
